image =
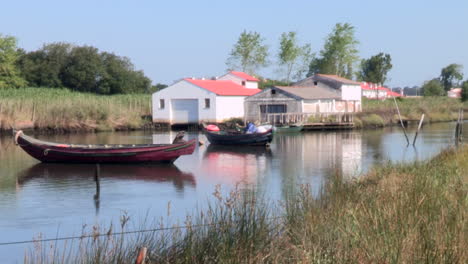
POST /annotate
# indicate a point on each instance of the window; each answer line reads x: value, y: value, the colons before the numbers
x: 161, y: 104
x: 207, y: 102
x: 278, y: 108
x: 273, y: 91
x: 243, y: 83
x: 315, y: 83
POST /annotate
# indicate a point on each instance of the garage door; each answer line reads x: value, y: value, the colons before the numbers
x: 184, y: 111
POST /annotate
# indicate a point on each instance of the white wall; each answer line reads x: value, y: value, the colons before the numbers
x: 238, y: 80
x: 351, y: 92
x: 183, y: 90
x: 229, y: 107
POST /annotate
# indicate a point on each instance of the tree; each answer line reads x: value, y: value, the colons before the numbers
x: 464, y: 93
x: 293, y: 57
x: 45, y: 66
x: 433, y: 88
x: 339, y: 53
x: 84, y: 70
x: 249, y: 53
x: 375, y: 68
x: 450, y: 75
x: 9, y: 73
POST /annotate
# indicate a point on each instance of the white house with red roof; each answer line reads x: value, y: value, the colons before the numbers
x: 375, y: 91
x: 241, y: 78
x: 192, y: 101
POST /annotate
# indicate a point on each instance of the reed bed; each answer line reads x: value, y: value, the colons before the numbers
x: 64, y: 110
x: 415, y: 213
x: 436, y: 109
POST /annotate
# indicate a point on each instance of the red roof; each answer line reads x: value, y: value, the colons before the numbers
x: 244, y: 76
x: 367, y: 86
x: 221, y: 87
x: 394, y: 94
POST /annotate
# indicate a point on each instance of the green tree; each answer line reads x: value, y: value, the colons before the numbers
x: 339, y: 53
x: 375, y: 68
x: 293, y: 57
x: 433, y: 88
x: 464, y: 94
x: 84, y: 70
x: 45, y: 66
x: 9, y: 73
x: 249, y: 53
x: 451, y: 75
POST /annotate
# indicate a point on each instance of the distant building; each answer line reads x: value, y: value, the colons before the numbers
x: 192, y: 101
x: 318, y: 94
x: 454, y: 93
x: 375, y: 91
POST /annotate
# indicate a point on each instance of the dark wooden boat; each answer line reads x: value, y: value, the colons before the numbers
x: 72, y: 153
x: 239, y: 138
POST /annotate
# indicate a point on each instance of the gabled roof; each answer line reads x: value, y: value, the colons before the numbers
x: 221, y: 87
x: 310, y: 93
x: 338, y: 78
x: 373, y: 87
x: 244, y: 76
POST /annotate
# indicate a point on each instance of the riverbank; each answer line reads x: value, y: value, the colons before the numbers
x: 61, y: 110
x: 395, y: 213
x: 377, y: 113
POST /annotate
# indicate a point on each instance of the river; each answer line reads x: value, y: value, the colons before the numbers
x: 50, y: 200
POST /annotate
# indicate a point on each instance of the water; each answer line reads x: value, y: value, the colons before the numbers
x: 57, y: 199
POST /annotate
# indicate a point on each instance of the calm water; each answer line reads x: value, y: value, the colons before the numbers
x: 51, y: 199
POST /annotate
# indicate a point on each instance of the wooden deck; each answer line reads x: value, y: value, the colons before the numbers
x: 312, y: 121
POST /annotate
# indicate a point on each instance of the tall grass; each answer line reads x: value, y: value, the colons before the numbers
x: 436, y: 109
x: 415, y: 213
x: 64, y: 110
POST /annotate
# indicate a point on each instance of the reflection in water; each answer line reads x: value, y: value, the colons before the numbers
x: 236, y: 164
x: 310, y: 158
x: 140, y: 172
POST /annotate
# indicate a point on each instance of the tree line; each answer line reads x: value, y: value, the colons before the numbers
x: 338, y: 56
x: 79, y: 68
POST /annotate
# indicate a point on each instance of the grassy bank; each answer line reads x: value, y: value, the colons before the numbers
x: 64, y: 110
x: 415, y: 213
x: 377, y: 113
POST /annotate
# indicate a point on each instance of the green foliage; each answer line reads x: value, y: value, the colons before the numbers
x: 157, y: 87
x: 464, y: 93
x: 265, y: 83
x: 450, y: 76
x: 339, y: 53
x: 433, y: 88
x: 9, y: 75
x: 293, y: 57
x: 82, y: 68
x: 375, y: 68
x: 372, y: 120
x: 249, y: 53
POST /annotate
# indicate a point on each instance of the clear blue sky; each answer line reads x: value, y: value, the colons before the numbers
x: 169, y: 40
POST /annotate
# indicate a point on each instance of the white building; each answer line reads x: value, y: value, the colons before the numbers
x: 192, y: 101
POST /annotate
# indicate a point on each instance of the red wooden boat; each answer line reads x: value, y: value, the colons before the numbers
x: 72, y: 153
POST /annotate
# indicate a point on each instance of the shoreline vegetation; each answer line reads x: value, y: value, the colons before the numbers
x: 395, y: 213
x: 62, y: 110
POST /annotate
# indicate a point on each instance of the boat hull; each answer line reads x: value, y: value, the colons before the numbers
x: 63, y: 153
x: 220, y: 138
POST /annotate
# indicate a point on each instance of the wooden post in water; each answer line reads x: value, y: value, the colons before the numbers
x: 419, y: 128
x: 97, y: 176
x: 401, y: 121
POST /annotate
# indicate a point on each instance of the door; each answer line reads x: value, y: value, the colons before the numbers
x: 184, y: 111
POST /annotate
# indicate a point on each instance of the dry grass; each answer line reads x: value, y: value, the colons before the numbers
x: 415, y: 213
x: 63, y: 110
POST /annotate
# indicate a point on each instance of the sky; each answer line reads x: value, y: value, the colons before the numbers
x: 170, y: 40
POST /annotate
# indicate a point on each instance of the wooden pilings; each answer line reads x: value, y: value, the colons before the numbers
x: 97, y: 176
x: 459, y: 127
x: 419, y: 128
